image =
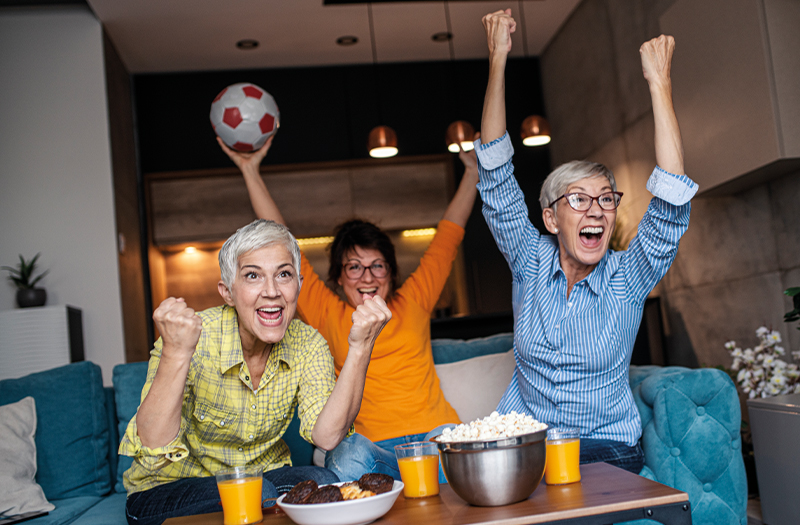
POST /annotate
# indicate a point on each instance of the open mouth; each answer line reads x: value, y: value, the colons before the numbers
x: 372, y: 292
x: 271, y: 315
x: 591, y: 235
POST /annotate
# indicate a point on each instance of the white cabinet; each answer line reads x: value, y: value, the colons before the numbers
x: 37, y: 339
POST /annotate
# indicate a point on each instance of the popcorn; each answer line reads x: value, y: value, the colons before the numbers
x: 492, y: 426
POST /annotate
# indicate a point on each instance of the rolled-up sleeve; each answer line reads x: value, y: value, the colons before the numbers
x: 675, y: 189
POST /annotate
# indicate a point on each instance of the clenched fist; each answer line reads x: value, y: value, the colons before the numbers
x: 499, y: 26
x: 368, y: 321
x: 179, y: 327
x: 656, y: 55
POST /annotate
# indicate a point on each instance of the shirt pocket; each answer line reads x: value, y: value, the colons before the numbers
x: 214, y: 424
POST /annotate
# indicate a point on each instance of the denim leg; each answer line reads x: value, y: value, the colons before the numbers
x: 357, y: 455
x: 612, y: 452
x: 285, y: 478
x: 184, y: 497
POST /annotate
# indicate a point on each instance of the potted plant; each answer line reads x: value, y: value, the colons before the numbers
x: 23, y: 278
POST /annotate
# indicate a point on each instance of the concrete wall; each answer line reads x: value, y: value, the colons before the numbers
x: 740, y: 252
x: 56, y: 194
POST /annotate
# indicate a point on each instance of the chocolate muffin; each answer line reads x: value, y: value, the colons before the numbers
x: 326, y: 494
x: 300, y: 492
x: 377, y: 483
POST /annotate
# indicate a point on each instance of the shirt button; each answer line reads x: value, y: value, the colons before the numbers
x: 251, y: 436
x: 240, y: 449
x: 222, y: 423
x: 247, y: 378
x: 569, y: 304
x: 202, y: 417
x: 253, y: 407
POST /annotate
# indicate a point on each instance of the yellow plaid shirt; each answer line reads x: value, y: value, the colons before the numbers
x: 224, y: 421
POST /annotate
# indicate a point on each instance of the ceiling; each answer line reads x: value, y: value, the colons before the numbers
x: 201, y: 35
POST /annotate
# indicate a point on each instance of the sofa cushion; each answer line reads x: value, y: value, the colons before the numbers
x: 128, y: 381
x: 109, y: 511
x: 19, y: 493
x: 67, y: 510
x: 452, y: 350
x: 72, y: 434
x: 487, y: 374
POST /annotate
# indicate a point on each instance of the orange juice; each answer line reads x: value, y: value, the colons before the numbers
x: 241, y: 500
x: 420, y: 475
x: 563, y: 460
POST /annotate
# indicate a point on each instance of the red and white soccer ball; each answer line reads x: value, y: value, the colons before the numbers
x: 244, y: 116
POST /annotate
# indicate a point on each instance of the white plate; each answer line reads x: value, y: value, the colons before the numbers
x: 351, y: 512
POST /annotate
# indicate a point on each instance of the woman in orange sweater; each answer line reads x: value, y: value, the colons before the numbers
x: 402, y: 400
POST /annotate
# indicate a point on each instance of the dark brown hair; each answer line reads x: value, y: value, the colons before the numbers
x: 363, y: 234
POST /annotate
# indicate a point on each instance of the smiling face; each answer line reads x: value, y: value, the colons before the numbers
x: 367, y: 284
x: 264, y: 293
x: 583, y: 236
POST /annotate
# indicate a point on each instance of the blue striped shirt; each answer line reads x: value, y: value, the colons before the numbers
x: 572, y: 354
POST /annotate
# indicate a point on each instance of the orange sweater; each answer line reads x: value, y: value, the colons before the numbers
x: 402, y: 395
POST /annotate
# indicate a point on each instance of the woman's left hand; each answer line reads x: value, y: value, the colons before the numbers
x: 368, y: 320
x: 656, y: 55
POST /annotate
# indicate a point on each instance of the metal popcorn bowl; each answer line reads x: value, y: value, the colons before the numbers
x: 494, y: 472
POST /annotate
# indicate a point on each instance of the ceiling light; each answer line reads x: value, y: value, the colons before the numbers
x: 190, y: 249
x: 347, y: 40
x: 314, y: 241
x: 422, y: 232
x: 382, y: 142
x: 443, y: 36
x: 461, y: 132
x: 535, y: 131
x: 247, y: 43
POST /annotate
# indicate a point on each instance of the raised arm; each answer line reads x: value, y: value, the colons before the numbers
x: 158, y: 420
x: 248, y: 164
x: 460, y: 207
x: 499, y: 26
x: 656, y: 56
x: 344, y: 402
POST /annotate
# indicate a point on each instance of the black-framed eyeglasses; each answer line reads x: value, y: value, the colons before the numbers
x: 582, y: 202
x: 354, y: 269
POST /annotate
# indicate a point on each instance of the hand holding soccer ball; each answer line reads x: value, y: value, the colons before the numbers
x: 244, y: 116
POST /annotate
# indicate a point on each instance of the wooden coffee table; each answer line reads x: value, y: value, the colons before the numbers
x: 604, y: 495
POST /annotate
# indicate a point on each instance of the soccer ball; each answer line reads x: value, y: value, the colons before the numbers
x: 244, y: 116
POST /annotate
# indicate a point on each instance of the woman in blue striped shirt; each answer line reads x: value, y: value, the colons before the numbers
x: 577, y: 304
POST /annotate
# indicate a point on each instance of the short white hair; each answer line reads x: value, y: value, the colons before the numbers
x: 556, y: 184
x: 256, y: 235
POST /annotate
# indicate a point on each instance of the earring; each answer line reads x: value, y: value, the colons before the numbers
x: 556, y: 230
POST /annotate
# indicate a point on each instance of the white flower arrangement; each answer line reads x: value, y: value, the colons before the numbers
x: 760, y: 371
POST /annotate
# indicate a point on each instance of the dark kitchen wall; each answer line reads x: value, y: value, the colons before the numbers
x: 326, y: 115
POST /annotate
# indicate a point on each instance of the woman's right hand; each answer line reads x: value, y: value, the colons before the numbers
x: 250, y: 160
x: 180, y: 328
x: 499, y: 26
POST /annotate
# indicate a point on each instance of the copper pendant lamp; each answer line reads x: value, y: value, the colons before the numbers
x: 535, y: 131
x: 382, y: 142
x: 460, y: 132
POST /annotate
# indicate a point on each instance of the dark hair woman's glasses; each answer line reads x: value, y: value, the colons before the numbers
x: 354, y: 269
x: 582, y: 202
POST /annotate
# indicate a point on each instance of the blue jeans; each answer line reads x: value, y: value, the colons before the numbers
x: 357, y: 455
x: 191, y: 496
x: 612, y: 452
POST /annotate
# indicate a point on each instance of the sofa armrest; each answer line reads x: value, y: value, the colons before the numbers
x: 691, y: 438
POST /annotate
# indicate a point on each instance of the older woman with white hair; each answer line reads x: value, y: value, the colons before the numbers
x: 222, y: 384
x: 577, y: 305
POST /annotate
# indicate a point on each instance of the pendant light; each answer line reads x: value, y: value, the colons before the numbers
x: 460, y: 132
x: 535, y: 130
x: 382, y: 140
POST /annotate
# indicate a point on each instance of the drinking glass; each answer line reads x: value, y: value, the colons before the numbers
x: 563, y: 448
x: 240, y: 492
x: 419, y: 469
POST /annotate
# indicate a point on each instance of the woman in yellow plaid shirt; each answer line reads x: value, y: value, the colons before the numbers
x: 222, y: 384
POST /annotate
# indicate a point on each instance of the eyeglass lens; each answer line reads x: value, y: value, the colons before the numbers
x: 582, y: 201
x: 354, y: 270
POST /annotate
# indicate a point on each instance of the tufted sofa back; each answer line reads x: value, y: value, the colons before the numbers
x: 690, y: 436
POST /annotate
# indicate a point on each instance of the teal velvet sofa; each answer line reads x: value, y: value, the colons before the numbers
x: 690, y: 420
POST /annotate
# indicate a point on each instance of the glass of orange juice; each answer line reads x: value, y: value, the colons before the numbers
x: 563, y: 448
x: 240, y: 492
x: 419, y: 468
